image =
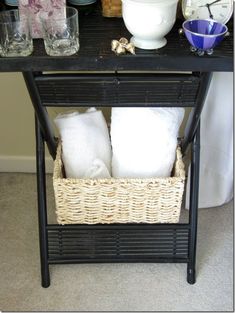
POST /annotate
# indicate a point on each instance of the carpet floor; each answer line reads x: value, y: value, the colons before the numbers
x: 107, y: 287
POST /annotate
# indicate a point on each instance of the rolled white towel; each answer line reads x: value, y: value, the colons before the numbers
x: 97, y: 170
x: 144, y: 141
x: 86, y: 147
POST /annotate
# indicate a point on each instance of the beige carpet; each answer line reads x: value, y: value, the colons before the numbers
x: 108, y: 287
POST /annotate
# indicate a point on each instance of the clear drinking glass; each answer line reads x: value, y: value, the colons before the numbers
x: 61, y: 34
x: 15, y: 38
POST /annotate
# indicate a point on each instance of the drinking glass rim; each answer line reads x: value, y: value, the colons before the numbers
x: 75, y: 13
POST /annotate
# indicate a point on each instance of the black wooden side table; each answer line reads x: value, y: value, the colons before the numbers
x: 169, y: 77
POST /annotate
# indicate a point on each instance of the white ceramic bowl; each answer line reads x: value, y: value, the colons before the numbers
x: 149, y: 21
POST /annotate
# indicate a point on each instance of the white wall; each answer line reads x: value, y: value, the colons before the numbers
x: 17, y: 134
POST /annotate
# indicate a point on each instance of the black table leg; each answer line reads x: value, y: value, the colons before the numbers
x: 42, y: 206
x: 193, y: 206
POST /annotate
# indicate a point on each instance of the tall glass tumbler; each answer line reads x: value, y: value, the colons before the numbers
x: 61, y: 35
x: 15, y: 38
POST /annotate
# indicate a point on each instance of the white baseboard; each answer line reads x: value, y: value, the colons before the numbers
x: 22, y: 164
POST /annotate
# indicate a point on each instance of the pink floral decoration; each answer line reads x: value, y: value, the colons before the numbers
x: 36, y: 8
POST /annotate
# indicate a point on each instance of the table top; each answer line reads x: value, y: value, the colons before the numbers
x: 96, y: 34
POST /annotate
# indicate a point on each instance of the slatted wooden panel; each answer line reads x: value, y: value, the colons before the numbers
x: 97, y: 244
x: 119, y: 90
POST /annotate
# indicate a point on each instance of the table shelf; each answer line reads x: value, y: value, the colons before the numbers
x: 118, y: 243
x: 96, y: 33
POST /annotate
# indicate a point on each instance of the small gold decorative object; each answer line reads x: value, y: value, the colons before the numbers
x: 122, y: 46
x: 114, y: 45
x: 181, y: 31
x: 120, y: 50
x: 123, y: 41
x: 130, y: 48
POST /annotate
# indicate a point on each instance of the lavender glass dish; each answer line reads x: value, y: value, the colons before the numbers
x: 204, y: 35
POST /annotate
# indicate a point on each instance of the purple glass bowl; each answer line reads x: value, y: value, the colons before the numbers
x: 204, y: 34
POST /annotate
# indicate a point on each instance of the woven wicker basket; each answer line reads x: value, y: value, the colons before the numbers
x: 105, y: 201
x: 111, y: 8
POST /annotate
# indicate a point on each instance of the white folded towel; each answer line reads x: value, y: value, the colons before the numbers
x: 144, y: 141
x: 86, y: 147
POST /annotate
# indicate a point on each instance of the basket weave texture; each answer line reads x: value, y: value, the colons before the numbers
x: 111, y: 8
x: 115, y: 200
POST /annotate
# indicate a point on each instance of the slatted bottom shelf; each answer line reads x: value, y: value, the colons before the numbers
x: 97, y: 243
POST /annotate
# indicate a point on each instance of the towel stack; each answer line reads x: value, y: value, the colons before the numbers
x: 86, y: 148
x: 143, y: 142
